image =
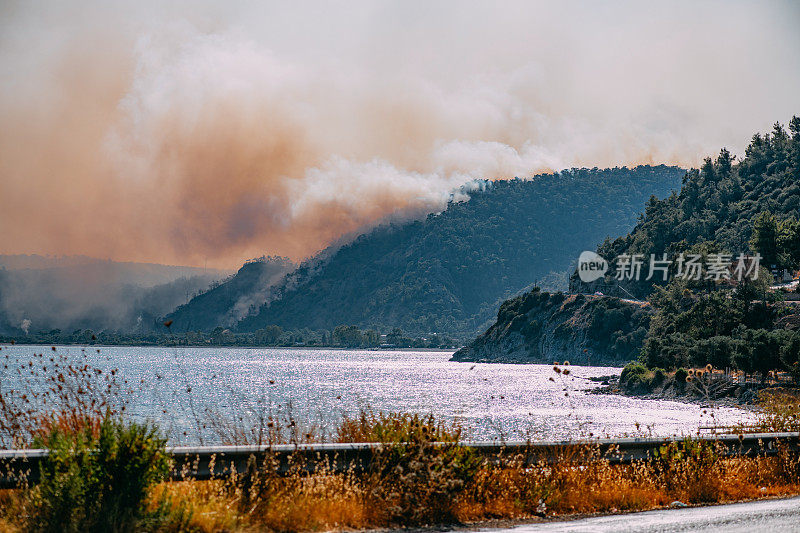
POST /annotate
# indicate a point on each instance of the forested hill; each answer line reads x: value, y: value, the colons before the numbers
x: 449, y: 272
x: 727, y: 207
x: 225, y: 303
x: 719, y: 206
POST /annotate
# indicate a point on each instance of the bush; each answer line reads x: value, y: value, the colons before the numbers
x: 680, y: 376
x: 97, y: 478
x: 417, y: 477
x: 659, y: 376
x: 690, y: 469
x: 632, y: 371
x: 635, y: 377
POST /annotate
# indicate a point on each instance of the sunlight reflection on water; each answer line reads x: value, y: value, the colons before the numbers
x: 491, y: 400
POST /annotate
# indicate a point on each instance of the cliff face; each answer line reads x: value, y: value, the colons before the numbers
x: 540, y: 327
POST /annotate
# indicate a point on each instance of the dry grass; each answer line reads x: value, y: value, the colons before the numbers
x: 779, y: 410
x: 579, y: 483
x: 59, y: 392
x: 438, y: 486
x: 369, y: 426
x: 337, y: 502
x: 310, y: 503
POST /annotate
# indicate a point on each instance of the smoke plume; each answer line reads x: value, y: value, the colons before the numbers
x: 207, y: 133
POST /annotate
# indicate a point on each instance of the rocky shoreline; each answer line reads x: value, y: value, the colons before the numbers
x: 733, y: 395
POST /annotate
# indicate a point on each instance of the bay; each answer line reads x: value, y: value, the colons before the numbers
x: 184, y: 389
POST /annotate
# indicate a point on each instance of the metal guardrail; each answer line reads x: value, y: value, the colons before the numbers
x: 207, y: 462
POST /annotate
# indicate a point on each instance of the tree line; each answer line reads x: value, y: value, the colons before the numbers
x: 726, y: 207
x: 342, y: 336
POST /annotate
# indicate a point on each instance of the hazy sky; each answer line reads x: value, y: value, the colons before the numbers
x: 221, y: 131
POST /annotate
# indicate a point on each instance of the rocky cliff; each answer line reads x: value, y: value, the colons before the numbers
x: 541, y: 327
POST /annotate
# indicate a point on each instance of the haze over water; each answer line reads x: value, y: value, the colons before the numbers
x: 490, y: 400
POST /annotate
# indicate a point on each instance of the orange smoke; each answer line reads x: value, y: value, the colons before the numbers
x: 136, y: 134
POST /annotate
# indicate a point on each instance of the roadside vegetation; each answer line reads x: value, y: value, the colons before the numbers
x: 107, y: 472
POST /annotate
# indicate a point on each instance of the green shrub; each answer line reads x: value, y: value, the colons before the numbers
x: 680, y: 375
x: 659, y: 376
x: 96, y: 478
x: 633, y: 370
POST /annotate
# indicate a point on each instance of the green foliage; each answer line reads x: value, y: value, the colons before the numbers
x: 765, y: 237
x: 349, y: 336
x: 790, y: 355
x: 269, y: 336
x: 721, y: 209
x: 718, y: 351
x: 634, y: 370
x: 636, y: 377
x: 763, y: 351
x: 226, y: 302
x: 659, y: 376
x: 788, y: 244
x: 396, y: 428
x: 748, y: 206
x: 698, y: 321
x: 669, y: 351
x: 697, y: 326
x: 718, y: 327
x: 96, y: 479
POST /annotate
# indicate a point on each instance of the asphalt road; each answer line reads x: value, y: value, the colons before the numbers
x: 773, y: 516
